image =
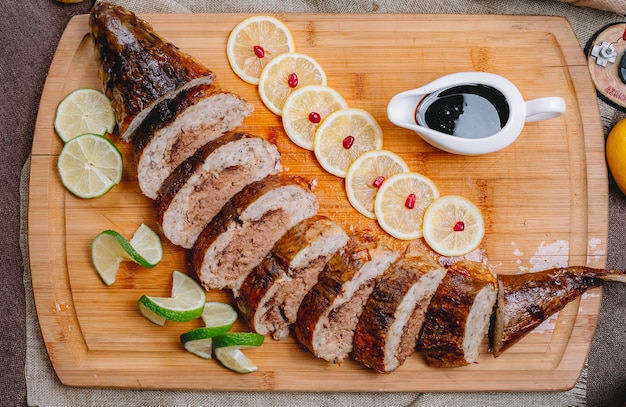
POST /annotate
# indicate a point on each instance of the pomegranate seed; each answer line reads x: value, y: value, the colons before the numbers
x: 410, y: 201
x: 292, y: 80
x: 315, y: 117
x: 347, y: 142
x: 378, y: 181
x: 259, y: 51
x: 459, y: 226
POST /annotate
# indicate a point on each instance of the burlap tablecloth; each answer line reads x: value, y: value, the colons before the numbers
x: 30, y: 31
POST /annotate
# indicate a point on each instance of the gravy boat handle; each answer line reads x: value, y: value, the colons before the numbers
x: 544, y: 108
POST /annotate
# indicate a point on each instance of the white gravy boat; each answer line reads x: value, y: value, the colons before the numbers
x: 493, y: 112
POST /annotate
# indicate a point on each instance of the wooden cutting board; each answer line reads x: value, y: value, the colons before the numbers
x: 544, y: 200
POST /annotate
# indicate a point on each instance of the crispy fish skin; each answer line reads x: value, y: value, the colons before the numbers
x: 388, y: 330
x: 526, y: 300
x: 178, y: 126
x: 271, y: 294
x: 247, y: 227
x: 458, y: 315
x: 137, y: 66
x: 199, y: 187
x: 328, y: 314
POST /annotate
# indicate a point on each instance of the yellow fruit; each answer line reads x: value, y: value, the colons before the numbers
x: 400, y: 204
x: 286, y: 73
x: 343, y: 137
x: 254, y: 42
x: 367, y: 174
x: 616, y: 153
x: 306, y: 108
x: 453, y: 226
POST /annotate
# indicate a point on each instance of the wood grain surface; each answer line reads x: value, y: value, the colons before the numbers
x: 544, y: 200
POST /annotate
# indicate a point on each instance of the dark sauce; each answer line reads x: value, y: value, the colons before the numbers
x: 468, y: 111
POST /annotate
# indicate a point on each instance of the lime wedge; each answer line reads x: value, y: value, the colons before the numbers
x: 185, y: 304
x: 109, y: 249
x: 90, y: 165
x: 218, y: 314
x: 235, y: 360
x: 84, y: 111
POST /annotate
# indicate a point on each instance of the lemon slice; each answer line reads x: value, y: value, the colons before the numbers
x: 228, y: 350
x: 186, y: 303
x: 109, y: 249
x: 306, y: 108
x: 367, y: 174
x: 453, y: 226
x: 284, y: 74
x: 343, y: 137
x: 84, y: 111
x: 89, y: 166
x: 400, y: 204
x: 254, y: 42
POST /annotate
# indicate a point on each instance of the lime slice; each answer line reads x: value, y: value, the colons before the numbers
x: 235, y: 360
x: 90, y: 165
x: 200, y: 347
x: 218, y: 318
x: 218, y: 314
x: 146, y: 247
x: 199, y: 341
x: 185, y: 304
x: 84, y: 111
x: 109, y: 249
x: 107, y: 253
x: 228, y: 348
x: 203, y: 333
x: 150, y: 315
x: 240, y: 340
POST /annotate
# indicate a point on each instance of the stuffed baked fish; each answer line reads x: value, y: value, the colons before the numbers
x: 137, y: 66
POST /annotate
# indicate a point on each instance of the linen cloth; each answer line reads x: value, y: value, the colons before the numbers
x: 617, y: 6
x: 44, y: 389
